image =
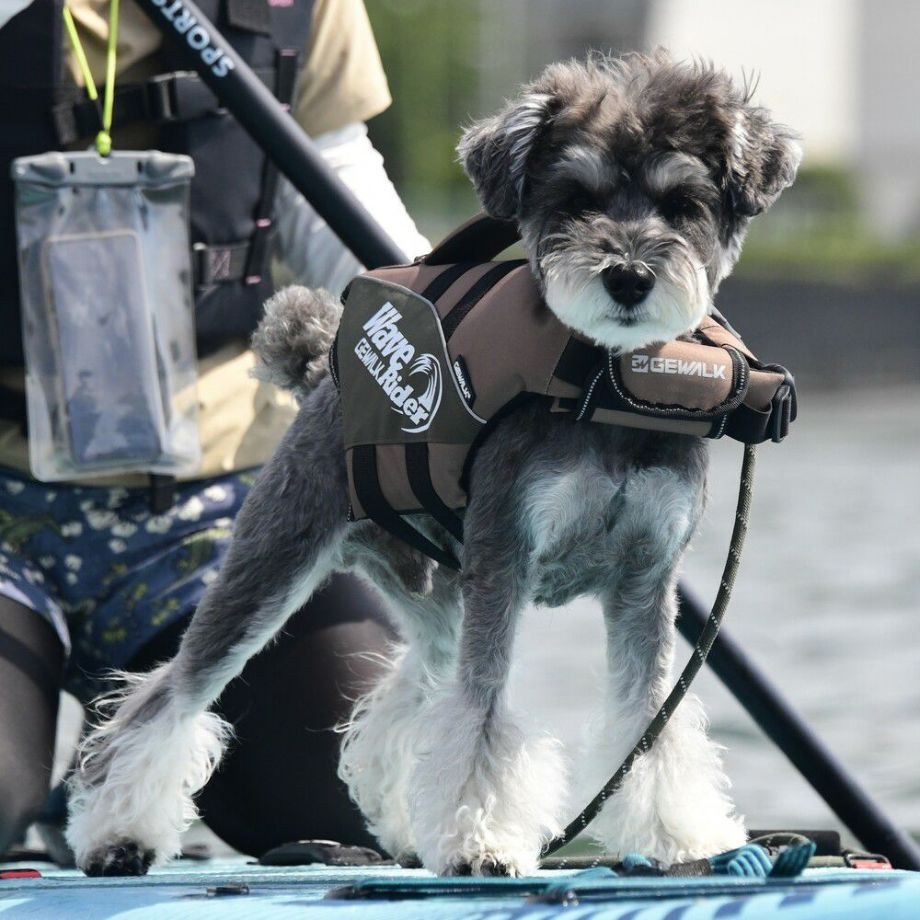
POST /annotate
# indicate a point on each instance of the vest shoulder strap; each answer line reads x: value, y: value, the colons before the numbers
x: 480, y: 239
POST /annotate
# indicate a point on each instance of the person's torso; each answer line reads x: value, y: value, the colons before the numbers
x: 171, y: 109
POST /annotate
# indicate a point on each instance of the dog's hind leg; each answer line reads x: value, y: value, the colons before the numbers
x: 388, y: 726
x: 131, y: 796
x: 672, y: 805
x: 486, y: 797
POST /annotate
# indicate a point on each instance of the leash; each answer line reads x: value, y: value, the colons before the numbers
x: 697, y: 659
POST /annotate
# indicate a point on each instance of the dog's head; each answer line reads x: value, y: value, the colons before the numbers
x: 633, y: 181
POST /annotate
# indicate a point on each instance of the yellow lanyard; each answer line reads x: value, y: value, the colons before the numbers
x: 104, y: 137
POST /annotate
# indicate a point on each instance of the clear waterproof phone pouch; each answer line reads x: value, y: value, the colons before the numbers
x: 107, y: 311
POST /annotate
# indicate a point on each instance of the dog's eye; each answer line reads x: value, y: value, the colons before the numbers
x: 580, y: 200
x: 676, y: 205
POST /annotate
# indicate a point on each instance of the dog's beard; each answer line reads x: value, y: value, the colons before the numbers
x: 575, y: 292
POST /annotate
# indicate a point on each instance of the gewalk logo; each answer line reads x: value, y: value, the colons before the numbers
x: 643, y: 364
x: 391, y: 360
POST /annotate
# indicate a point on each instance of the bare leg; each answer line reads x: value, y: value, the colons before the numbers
x: 131, y: 797
x: 277, y: 782
x: 672, y: 805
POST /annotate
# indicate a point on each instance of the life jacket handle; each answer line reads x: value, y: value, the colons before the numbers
x: 480, y: 239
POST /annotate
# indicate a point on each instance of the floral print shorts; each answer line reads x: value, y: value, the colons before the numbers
x: 103, y: 569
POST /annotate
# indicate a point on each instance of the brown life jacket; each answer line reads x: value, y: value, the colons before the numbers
x: 428, y: 357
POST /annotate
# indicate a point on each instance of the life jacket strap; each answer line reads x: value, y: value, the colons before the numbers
x: 578, y: 362
x: 286, y: 65
x: 480, y: 239
x: 472, y: 297
x: 379, y: 510
x: 221, y: 264
x: 177, y: 96
x: 418, y: 469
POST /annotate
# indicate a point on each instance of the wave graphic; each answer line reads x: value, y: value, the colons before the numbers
x: 430, y: 398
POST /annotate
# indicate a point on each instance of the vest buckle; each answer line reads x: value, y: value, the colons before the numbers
x: 161, y: 97
x: 782, y: 409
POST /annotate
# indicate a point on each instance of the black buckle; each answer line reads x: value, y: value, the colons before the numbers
x: 162, y: 493
x: 220, y: 264
x: 179, y: 96
x: 212, y: 265
x: 201, y: 265
x: 782, y: 410
x: 161, y: 97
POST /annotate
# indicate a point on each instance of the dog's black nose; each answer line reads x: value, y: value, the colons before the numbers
x: 628, y: 284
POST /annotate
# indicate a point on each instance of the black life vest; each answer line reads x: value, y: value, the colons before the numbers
x: 428, y: 357
x: 234, y: 185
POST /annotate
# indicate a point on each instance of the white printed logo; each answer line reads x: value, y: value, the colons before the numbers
x: 391, y: 360
x: 196, y: 35
x: 461, y: 381
x: 643, y: 364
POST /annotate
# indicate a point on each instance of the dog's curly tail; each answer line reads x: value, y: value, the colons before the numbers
x: 293, y: 339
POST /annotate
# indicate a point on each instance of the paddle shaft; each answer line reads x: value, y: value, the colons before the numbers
x: 286, y: 145
x: 271, y: 126
x: 786, y: 728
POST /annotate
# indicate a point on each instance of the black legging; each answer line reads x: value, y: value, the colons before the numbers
x: 31, y: 668
x: 277, y: 782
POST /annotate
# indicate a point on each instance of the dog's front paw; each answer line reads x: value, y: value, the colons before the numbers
x: 673, y: 805
x: 474, y: 845
x: 125, y: 857
x: 486, y: 796
x: 489, y: 866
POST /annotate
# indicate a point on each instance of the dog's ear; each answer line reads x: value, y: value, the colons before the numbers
x: 761, y: 160
x: 494, y: 152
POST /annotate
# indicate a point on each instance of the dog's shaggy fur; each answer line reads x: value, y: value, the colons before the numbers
x: 633, y: 182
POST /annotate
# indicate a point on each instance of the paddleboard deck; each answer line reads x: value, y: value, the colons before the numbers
x: 233, y: 888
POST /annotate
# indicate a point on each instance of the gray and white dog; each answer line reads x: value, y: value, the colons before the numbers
x: 633, y: 182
